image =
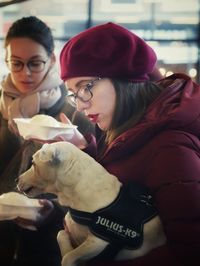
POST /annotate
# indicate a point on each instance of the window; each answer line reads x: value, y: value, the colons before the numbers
x: 171, y: 27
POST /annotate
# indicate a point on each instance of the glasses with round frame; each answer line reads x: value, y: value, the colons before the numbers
x: 84, y: 92
x: 35, y: 66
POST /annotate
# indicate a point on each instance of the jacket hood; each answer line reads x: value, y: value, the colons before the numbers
x: 176, y: 108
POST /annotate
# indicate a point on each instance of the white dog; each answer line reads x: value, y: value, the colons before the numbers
x: 86, y: 188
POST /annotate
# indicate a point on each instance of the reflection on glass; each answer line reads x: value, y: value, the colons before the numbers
x: 170, y: 27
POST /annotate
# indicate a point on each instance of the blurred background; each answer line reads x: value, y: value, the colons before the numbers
x: 171, y: 27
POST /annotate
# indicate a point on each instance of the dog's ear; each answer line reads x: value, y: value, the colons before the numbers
x: 50, y: 153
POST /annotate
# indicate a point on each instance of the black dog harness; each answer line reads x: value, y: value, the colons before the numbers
x: 121, y: 223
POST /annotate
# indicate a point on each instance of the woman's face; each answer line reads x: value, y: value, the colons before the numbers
x: 21, y: 51
x: 101, y: 106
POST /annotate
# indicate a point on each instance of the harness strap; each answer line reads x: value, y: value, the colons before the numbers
x: 121, y: 223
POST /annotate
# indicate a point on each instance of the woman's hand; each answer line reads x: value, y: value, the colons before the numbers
x: 77, y: 139
x: 42, y: 216
x: 13, y: 127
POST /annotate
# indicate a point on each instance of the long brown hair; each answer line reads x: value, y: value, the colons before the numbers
x: 132, y: 100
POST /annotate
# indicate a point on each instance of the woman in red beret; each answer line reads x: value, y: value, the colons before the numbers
x: 147, y: 132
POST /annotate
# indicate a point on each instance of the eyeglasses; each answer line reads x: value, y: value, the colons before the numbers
x: 84, y: 92
x: 33, y: 65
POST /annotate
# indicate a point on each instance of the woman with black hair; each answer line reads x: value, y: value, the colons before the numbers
x: 32, y: 87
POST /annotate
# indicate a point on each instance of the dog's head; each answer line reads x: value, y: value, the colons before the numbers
x: 55, y: 167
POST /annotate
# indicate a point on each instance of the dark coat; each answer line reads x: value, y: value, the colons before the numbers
x: 163, y: 152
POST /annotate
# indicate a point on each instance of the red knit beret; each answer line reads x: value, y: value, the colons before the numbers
x: 107, y: 50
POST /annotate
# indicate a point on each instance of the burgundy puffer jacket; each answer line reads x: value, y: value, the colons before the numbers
x: 163, y: 152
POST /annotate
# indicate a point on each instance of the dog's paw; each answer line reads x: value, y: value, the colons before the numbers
x: 66, y: 261
x: 64, y: 242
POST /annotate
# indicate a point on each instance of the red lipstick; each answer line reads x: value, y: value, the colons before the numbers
x: 93, y: 118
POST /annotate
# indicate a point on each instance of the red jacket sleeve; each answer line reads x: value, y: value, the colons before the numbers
x: 174, y: 176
